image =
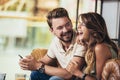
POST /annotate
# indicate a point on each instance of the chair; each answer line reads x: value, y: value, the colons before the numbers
x: 38, y: 53
x: 111, y: 70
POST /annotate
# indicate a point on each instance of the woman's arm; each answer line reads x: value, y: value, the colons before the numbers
x: 102, y: 53
x: 74, y: 69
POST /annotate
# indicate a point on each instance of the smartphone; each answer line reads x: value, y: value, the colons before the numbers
x: 20, y: 56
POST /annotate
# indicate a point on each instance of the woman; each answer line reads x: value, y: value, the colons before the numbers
x: 92, y: 33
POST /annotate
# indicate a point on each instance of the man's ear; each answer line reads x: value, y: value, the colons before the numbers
x: 51, y: 30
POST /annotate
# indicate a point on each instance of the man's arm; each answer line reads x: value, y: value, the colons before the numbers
x: 63, y: 72
x: 80, y: 62
x: 29, y: 63
x: 54, y: 71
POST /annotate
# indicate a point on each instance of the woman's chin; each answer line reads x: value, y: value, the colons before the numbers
x: 80, y: 37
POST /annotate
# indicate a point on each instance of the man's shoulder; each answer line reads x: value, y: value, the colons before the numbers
x: 55, y: 42
x: 55, y: 39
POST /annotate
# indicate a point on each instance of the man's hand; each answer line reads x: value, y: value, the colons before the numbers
x: 29, y: 63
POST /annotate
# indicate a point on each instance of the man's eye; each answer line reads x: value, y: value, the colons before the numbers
x: 68, y: 24
x: 59, y: 27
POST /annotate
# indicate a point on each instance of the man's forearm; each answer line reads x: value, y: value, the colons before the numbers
x: 55, y: 71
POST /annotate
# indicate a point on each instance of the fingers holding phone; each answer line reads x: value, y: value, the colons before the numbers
x: 23, y: 62
x: 27, y: 63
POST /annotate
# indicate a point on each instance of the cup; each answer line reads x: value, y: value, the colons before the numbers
x: 2, y: 76
x: 20, y: 76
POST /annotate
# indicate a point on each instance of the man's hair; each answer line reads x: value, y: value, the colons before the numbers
x: 56, y: 13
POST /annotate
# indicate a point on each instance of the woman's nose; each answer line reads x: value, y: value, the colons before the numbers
x: 79, y: 27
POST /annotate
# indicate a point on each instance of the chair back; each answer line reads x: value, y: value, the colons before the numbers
x: 38, y: 53
x: 111, y: 70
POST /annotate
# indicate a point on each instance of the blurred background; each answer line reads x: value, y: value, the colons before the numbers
x: 23, y: 26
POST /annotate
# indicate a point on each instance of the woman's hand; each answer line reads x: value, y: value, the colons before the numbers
x: 73, y: 67
x: 29, y: 63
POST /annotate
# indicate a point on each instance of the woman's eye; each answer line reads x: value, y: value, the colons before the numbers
x: 81, y: 24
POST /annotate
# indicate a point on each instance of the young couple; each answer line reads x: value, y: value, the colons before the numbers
x: 80, y: 53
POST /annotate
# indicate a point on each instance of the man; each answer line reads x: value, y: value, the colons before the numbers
x: 63, y: 48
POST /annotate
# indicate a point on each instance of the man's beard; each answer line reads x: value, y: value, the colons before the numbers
x: 67, y: 33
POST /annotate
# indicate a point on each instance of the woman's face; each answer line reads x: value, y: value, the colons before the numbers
x: 83, y: 31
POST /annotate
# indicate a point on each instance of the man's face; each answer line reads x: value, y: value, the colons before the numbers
x: 62, y: 28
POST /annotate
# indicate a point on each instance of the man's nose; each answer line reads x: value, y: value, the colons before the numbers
x: 65, y: 29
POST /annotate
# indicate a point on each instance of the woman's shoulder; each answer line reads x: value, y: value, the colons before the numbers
x: 102, y: 49
x: 101, y: 46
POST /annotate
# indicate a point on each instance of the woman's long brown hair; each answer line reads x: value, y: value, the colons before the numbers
x: 98, y: 34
